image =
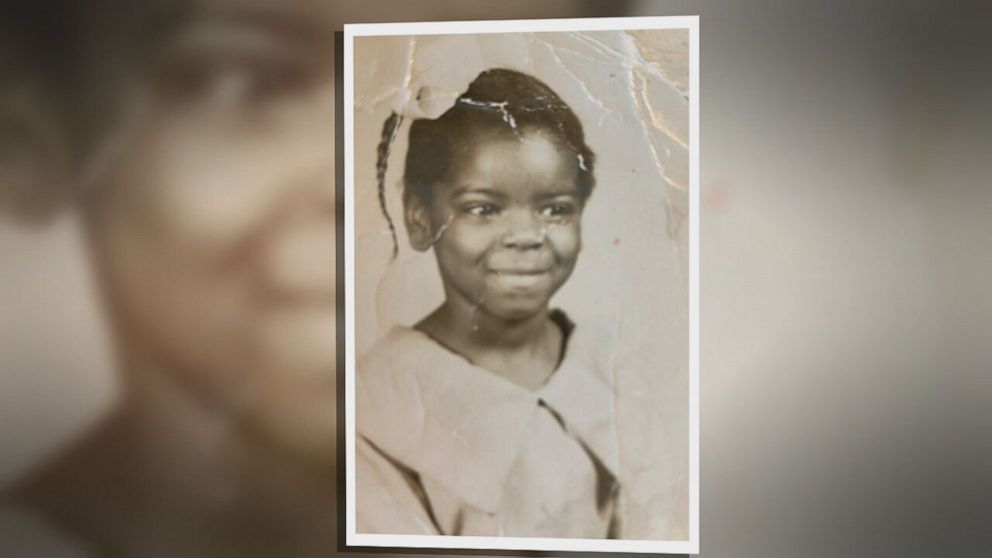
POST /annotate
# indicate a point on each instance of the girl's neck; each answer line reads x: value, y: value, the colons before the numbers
x: 525, y: 351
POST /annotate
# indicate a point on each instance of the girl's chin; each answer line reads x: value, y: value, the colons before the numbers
x: 518, y: 311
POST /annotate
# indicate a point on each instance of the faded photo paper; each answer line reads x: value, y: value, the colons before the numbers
x: 521, y: 247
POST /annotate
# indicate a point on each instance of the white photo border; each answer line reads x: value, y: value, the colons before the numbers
x: 354, y: 539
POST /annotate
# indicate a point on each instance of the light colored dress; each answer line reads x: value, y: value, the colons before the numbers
x: 445, y: 447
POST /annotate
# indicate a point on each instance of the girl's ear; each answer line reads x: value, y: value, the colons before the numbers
x: 417, y: 217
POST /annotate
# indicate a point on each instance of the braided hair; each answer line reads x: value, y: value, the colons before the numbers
x: 389, y: 130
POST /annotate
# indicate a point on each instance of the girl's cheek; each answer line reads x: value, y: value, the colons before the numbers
x: 472, y: 230
x: 464, y: 238
x: 565, y: 237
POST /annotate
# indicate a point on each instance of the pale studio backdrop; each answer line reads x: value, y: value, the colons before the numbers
x: 630, y: 89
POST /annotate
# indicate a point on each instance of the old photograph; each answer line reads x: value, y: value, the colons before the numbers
x: 521, y: 260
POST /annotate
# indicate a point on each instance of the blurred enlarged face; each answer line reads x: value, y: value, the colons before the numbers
x: 215, y: 228
x: 507, y: 225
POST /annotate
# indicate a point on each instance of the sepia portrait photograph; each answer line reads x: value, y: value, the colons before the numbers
x: 521, y: 260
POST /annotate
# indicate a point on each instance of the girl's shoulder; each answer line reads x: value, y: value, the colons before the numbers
x: 590, y: 345
x: 398, y: 356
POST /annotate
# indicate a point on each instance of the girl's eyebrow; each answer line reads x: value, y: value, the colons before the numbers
x: 567, y: 192
x: 463, y: 190
x: 248, y: 31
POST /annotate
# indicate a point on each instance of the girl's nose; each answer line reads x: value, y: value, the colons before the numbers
x: 524, y: 231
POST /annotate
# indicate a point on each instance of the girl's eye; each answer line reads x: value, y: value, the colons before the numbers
x: 558, y: 210
x: 229, y: 79
x: 483, y: 210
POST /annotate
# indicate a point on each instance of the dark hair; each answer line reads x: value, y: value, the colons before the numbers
x: 498, y: 102
x: 65, y: 68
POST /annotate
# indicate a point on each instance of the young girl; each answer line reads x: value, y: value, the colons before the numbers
x: 490, y: 416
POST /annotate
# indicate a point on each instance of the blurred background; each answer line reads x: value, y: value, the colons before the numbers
x: 166, y: 291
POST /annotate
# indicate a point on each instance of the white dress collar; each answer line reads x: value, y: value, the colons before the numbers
x: 463, y: 426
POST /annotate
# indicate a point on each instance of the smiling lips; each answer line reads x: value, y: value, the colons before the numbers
x: 520, y: 271
x: 521, y: 279
x: 520, y: 266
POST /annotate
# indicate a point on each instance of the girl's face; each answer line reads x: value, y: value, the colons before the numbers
x: 215, y: 228
x: 506, y: 227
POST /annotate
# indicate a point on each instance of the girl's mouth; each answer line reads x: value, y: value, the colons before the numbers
x: 520, y: 279
x: 519, y: 271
